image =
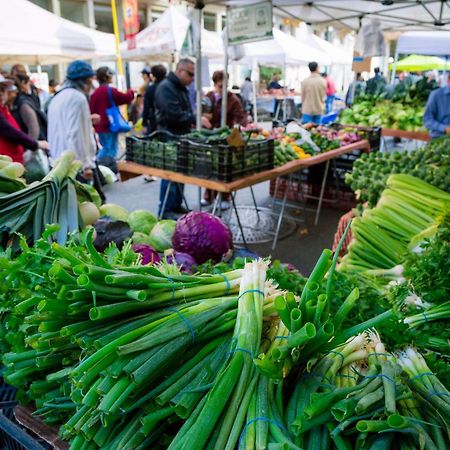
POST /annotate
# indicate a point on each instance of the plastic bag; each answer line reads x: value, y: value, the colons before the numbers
x: 294, y: 127
x: 36, y: 166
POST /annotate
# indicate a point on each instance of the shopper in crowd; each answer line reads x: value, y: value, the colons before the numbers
x: 135, y: 109
x: 99, y: 102
x: 377, y: 83
x: 69, y: 118
x: 437, y: 112
x: 235, y: 116
x: 331, y: 93
x: 356, y: 88
x: 275, y: 83
x: 313, y: 93
x: 235, y: 112
x: 53, y: 87
x: 19, y: 69
x: 247, y: 94
x: 28, y: 115
x: 174, y: 114
x: 147, y: 78
x: 12, y: 139
x: 158, y: 73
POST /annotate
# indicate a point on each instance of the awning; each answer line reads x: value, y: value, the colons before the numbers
x: 32, y: 35
x: 414, y: 63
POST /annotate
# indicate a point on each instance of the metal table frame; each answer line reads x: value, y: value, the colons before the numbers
x: 130, y: 169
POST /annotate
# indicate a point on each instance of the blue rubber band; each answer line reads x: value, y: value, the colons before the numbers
x: 380, y: 375
x: 252, y: 290
x: 425, y: 374
x: 173, y: 289
x: 439, y: 394
x: 281, y: 337
x: 183, y: 318
x: 344, y: 375
x: 425, y: 316
x: 238, y: 349
x: 378, y: 354
x: 339, y: 354
x: 257, y: 419
x: 227, y: 281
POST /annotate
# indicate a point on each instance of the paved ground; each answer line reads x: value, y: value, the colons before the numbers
x: 302, y: 248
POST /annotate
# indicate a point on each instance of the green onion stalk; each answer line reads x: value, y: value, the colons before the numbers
x: 227, y: 397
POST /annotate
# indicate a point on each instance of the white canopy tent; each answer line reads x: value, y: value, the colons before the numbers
x: 282, y: 50
x: 435, y: 43
x: 161, y: 40
x: 31, y: 35
x: 404, y: 15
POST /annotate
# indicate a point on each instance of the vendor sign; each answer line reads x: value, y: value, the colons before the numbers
x: 249, y: 23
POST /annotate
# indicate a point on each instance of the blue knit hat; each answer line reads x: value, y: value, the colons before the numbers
x: 78, y: 70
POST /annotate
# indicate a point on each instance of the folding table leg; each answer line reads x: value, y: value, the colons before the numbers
x: 182, y: 194
x: 322, y: 189
x: 280, y: 217
x: 239, y: 222
x: 217, y: 201
x: 199, y: 198
x: 166, y: 196
x: 275, y: 193
x: 254, y: 202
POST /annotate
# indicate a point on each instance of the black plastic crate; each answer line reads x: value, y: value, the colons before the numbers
x: 159, y: 150
x: 223, y: 162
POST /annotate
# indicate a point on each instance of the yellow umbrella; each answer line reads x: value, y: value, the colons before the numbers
x: 415, y: 63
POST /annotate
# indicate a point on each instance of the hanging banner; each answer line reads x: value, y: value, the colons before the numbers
x: 249, y: 23
x: 130, y: 21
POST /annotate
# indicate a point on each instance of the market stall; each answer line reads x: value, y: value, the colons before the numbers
x: 23, y: 38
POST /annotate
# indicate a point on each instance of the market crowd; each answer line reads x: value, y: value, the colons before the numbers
x: 86, y: 120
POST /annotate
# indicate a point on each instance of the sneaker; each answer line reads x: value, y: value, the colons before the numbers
x: 180, y: 210
x: 149, y: 179
x: 224, y: 205
x: 204, y: 202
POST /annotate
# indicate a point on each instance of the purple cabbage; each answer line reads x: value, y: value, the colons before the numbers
x: 149, y: 254
x: 203, y: 236
x: 182, y: 259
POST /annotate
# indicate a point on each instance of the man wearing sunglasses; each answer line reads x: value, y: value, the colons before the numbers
x: 174, y: 114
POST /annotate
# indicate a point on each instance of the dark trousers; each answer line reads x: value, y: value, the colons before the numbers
x: 174, y: 198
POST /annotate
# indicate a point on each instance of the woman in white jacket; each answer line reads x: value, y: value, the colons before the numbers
x: 69, y: 118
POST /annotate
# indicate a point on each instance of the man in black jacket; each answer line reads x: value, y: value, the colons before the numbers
x: 158, y: 74
x: 174, y: 114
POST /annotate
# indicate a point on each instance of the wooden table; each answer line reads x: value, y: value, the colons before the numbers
x: 416, y: 135
x: 130, y: 169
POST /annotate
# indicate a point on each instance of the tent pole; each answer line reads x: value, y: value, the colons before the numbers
x: 197, y: 28
x: 118, y: 55
x: 223, y: 116
x: 394, y: 67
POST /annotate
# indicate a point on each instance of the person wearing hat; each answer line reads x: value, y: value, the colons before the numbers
x: 99, y: 103
x: 12, y: 139
x: 146, y: 76
x: 69, y: 118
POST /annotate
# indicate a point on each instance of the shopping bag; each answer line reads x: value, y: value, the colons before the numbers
x: 117, y: 123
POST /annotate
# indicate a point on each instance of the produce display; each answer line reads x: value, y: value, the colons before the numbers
x: 55, y: 199
x: 139, y: 333
x: 400, y: 108
x: 430, y: 163
x: 292, y: 146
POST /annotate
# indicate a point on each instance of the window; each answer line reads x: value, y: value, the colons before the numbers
x: 103, y: 18
x: 75, y: 11
x: 42, y: 3
x: 209, y: 21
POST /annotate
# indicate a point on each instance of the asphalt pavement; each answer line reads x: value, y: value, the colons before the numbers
x: 301, y: 248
